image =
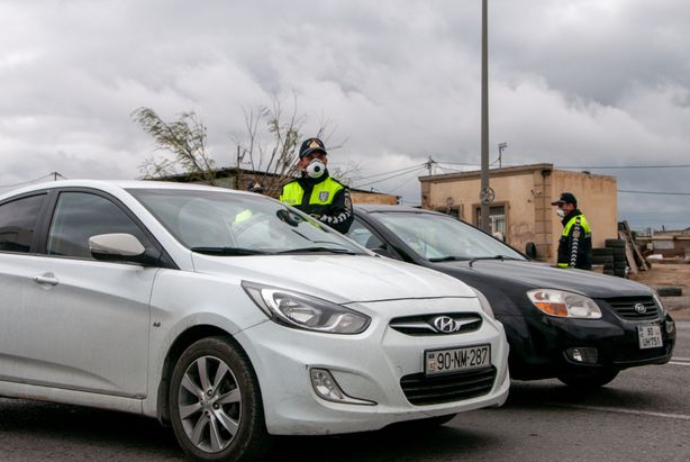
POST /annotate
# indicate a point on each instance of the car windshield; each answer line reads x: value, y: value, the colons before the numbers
x: 231, y: 224
x: 438, y: 238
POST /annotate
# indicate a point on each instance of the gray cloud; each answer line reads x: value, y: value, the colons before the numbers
x: 573, y: 82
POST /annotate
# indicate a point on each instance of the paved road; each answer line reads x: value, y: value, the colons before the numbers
x: 644, y: 415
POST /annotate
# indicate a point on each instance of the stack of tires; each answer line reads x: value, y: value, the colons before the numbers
x: 620, y: 265
x: 612, y: 257
x: 603, y: 256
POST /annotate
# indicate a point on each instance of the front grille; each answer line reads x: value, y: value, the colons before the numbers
x: 421, y: 390
x: 625, y: 307
x: 424, y: 324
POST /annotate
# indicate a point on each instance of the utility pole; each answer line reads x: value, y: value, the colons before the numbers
x: 430, y: 165
x: 485, y: 193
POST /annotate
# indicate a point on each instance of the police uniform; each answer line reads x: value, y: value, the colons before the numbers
x: 324, y: 198
x: 575, y: 245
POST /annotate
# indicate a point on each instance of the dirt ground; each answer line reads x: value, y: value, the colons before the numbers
x: 669, y: 275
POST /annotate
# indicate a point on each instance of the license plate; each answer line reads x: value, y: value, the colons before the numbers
x: 649, y: 336
x: 456, y: 359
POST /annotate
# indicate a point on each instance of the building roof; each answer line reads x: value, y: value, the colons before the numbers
x: 496, y: 172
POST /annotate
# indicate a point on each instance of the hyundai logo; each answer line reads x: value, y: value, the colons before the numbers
x: 446, y: 324
x: 640, y: 308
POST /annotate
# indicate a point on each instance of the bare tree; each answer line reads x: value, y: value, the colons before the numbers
x: 268, y: 147
x: 185, y: 138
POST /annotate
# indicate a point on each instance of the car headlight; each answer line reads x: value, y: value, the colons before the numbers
x: 305, y: 312
x: 484, y: 303
x: 564, y: 304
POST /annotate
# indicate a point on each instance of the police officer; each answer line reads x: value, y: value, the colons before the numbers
x: 575, y: 245
x: 315, y: 192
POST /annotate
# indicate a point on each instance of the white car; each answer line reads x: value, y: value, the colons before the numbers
x: 230, y: 316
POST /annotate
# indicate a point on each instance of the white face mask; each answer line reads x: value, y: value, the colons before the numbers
x: 560, y: 212
x: 316, y: 169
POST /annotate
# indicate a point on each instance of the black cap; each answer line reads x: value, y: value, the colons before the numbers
x: 566, y: 197
x: 255, y: 186
x: 311, y: 145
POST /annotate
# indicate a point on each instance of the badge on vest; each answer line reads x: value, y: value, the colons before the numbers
x: 323, y: 196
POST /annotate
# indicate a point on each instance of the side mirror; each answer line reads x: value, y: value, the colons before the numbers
x: 116, y: 247
x: 531, y: 250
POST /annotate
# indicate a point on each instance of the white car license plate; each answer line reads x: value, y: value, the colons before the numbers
x: 650, y: 337
x: 456, y: 359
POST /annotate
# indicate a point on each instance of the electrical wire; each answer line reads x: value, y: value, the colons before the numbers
x: 660, y: 193
x: 14, y: 185
x: 411, y: 168
x: 419, y: 167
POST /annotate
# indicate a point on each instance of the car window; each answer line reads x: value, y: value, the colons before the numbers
x: 363, y: 236
x: 79, y: 216
x: 203, y: 220
x: 18, y: 220
x: 434, y: 236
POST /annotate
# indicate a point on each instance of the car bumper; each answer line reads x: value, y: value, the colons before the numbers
x: 368, y: 367
x: 541, y: 346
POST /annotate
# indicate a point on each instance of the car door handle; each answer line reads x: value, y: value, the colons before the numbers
x: 47, y: 279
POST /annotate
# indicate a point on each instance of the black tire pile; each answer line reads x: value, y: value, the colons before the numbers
x: 612, y: 257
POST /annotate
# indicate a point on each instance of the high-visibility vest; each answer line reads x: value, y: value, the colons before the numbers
x: 321, y: 195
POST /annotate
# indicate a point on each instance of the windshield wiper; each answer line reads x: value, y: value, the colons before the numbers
x: 228, y: 251
x: 494, y: 257
x: 318, y: 249
x: 447, y: 258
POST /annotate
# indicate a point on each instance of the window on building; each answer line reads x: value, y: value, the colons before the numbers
x: 497, y: 218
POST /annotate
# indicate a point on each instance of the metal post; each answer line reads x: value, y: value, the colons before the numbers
x: 484, y: 193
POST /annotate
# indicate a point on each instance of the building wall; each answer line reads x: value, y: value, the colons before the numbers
x: 362, y: 197
x: 526, y: 193
x: 514, y: 192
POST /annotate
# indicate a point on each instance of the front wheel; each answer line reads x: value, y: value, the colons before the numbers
x: 215, y: 401
x: 589, y: 380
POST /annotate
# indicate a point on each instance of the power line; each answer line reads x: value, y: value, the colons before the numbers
x: 411, y: 168
x: 661, y: 193
x: 419, y: 167
x: 14, y: 185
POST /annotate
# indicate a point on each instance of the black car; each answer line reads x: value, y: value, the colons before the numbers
x: 578, y: 326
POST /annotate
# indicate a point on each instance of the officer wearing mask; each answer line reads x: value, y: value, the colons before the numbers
x: 575, y: 245
x: 316, y: 193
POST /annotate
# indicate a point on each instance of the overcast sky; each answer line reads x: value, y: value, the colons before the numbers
x: 576, y: 83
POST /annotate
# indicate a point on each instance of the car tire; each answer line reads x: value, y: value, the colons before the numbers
x: 215, y: 403
x: 589, y: 380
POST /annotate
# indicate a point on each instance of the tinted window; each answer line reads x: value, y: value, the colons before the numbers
x: 78, y: 216
x: 18, y: 220
x: 434, y: 236
x: 362, y: 236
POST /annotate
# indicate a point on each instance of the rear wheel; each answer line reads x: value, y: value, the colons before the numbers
x: 215, y: 402
x: 591, y: 379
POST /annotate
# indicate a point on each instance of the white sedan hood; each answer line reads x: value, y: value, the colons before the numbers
x: 350, y: 278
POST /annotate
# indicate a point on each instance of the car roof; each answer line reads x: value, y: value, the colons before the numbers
x: 111, y: 185
x: 376, y: 208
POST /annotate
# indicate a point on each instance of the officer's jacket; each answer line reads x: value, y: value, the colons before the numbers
x: 327, y: 200
x: 575, y: 245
